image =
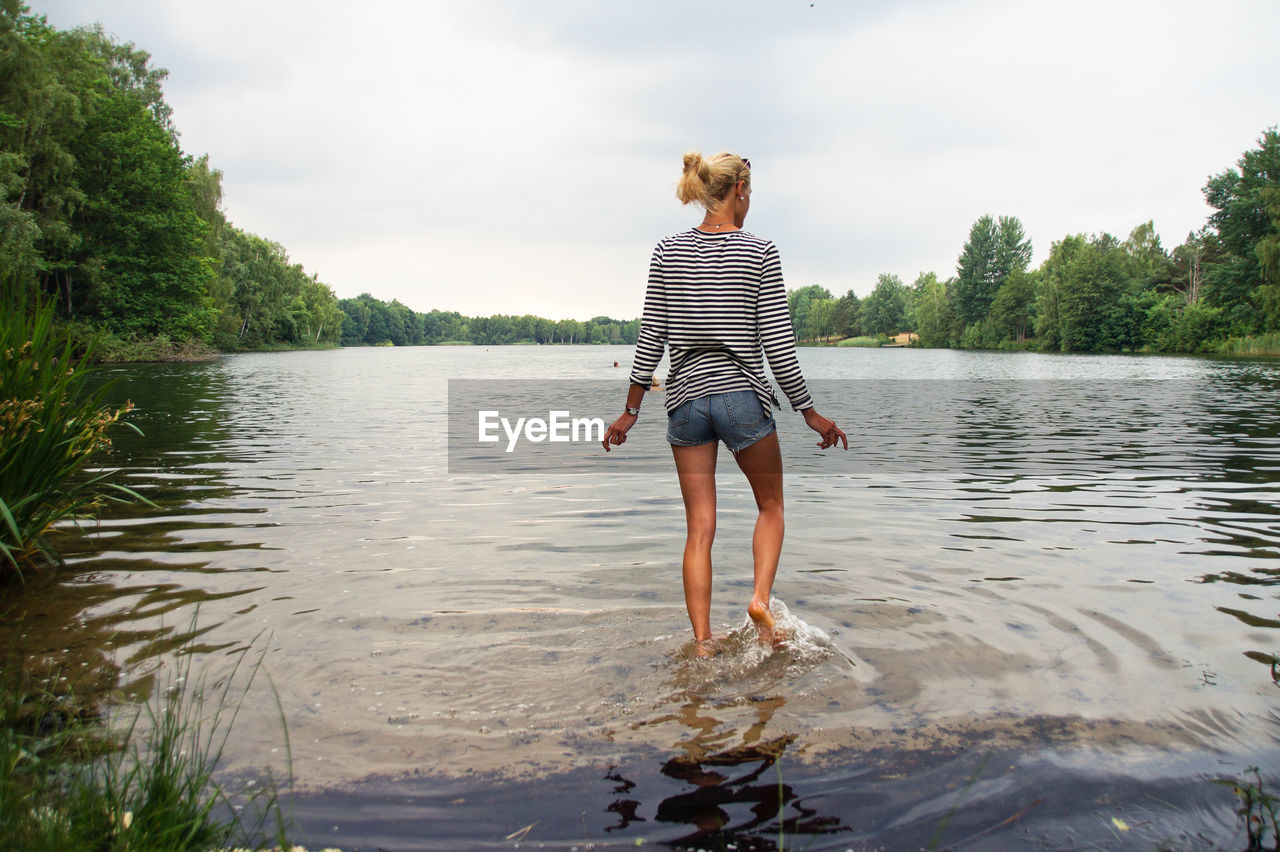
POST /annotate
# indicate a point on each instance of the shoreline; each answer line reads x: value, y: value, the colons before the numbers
x: 205, y: 355
x: 112, y: 350
x: 1262, y: 346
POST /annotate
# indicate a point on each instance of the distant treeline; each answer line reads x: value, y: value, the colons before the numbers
x: 1217, y: 291
x: 372, y: 322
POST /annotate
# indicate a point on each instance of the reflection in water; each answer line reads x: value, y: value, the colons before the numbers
x: 728, y: 794
x: 718, y: 793
x: 708, y: 806
x: 128, y: 598
x: 1048, y: 555
x: 68, y: 637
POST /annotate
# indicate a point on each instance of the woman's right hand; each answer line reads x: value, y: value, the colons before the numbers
x: 830, y: 432
x: 617, y: 433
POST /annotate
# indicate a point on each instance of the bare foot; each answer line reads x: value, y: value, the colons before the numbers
x: 763, y: 618
x: 705, y: 647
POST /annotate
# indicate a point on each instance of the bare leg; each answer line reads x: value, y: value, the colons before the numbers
x: 696, y: 467
x: 762, y: 464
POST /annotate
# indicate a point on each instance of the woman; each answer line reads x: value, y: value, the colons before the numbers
x: 716, y: 299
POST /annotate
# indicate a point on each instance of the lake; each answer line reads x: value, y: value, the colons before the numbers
x: 1033, y: 606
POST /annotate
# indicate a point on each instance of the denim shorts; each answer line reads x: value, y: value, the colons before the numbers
x: 738, y: 418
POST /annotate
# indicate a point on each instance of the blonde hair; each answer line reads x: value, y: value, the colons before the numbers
x: 707, y: 181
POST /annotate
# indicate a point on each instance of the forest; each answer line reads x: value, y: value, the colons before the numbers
x: 1219, y: 291
x: 103, y: 214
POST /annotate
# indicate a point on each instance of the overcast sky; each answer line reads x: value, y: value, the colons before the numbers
x: 521, y: 157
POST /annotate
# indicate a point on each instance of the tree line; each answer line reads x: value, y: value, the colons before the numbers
x: 372, y: 322
x: 1093, y: 293
x: 104, y: 214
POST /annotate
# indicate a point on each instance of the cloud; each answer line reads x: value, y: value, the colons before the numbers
x: 504, y: 157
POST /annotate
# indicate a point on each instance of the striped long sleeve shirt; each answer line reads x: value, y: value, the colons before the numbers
x: 718, y: 302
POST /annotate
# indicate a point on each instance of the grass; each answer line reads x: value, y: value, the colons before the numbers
x: 860, y: 341
x: 67, y: 781
x: 51, y: 425
x: 292, y: 347
x: 114, y: 349
x: 1261, y: 344
x: 1259, y: 809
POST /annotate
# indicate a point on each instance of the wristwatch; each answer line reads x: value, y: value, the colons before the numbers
x: 634, y: 412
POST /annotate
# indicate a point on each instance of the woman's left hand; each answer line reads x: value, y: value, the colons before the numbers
x: 831, y: 434
x: 617, y: 433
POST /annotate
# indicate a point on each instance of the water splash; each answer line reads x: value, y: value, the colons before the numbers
x: 738, y: 664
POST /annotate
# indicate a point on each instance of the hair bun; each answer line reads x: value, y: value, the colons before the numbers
x: 708, y: 182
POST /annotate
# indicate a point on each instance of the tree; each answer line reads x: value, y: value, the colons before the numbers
x: 846, y: 316
x: 931, y: 308
x: 1246, y: 217
x: 142, y: 243
x: 45, y: 88
x: 820, y: 323
x: 1191, y: 260
x: 315, y: 312
x: 976, y: 274
x: 355, y: 321
x: 798, y: 304
x: 1055, y: 272
x: 19, y: 257
x: 993, y: 250
x: 1084, y: 280
x: 1013, y: 309
x: 885, y: 310
x: 1013, y: 249
x: 254, y: 269
x: 1149, y: 266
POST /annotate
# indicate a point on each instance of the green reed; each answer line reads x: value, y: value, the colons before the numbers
x: 67, y: 781
x: 1258, y: 808
x: 51, y: 425
x: 1260, y: 344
